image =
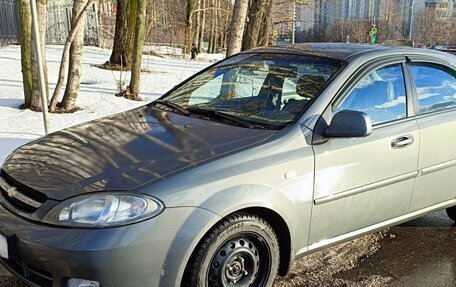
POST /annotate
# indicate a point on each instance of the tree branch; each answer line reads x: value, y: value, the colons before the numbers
x: 66, y: 50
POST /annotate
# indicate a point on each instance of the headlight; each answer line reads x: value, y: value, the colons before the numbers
x: 103, y: 210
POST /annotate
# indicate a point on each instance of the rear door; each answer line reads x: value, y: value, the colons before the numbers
x: 360, y: 182
x: 435, y: 90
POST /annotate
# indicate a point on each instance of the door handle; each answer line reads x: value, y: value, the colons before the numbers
x: 402, y: 141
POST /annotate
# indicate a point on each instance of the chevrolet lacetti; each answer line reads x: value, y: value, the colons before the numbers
x: 252, y: 163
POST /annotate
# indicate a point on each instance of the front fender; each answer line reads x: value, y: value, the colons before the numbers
x: 295, y: 211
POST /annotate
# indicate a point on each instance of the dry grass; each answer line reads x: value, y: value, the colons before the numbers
x: 320, y: 269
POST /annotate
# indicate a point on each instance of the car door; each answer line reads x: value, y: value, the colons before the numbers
x: 435, y: 90
x: 360, y: 182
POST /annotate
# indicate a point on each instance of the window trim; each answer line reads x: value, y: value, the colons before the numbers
x: 365, y: 71
x: 415, y: 100
x: 352, y: 80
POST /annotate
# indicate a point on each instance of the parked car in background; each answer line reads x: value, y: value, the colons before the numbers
x: 228, y: 178
x: 448, y: 49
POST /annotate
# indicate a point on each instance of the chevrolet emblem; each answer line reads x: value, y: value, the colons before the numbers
x: 12, y: 192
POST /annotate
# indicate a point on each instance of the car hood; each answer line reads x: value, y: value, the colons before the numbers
x: 122, y: 152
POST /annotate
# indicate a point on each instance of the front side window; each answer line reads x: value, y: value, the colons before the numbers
x: 435, y: 86
x: 381, y: 95
x: 264, y: 89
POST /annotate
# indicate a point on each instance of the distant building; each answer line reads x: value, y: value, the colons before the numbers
x: 282, y: 18
x: 325, y: 11
x: 443, y: 8
x: 287, y: 12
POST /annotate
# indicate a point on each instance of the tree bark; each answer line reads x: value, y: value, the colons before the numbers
x: 266, y: 28
x: 25, y: 37
x: 216, y: 26
x: 64, y: 61
x: 237, y: 27
x: 196, y: 31
x: 35, y: 103
x: 75, y: 58
x: 211, y: 48
x: 124, y: 33
x: 133, y: 92
x: 203, y: 26
x: 257, y: 19
x: 189, y: 25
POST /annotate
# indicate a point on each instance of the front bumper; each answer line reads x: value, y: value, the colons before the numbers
x: 151, y: 253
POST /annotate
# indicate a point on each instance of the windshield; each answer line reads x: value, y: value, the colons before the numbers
x: 269, y: 90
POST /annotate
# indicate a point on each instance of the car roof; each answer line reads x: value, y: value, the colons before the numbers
x: 338, y: 51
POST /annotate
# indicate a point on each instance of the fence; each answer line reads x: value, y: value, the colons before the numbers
x: 9, y: 31
x: 58, y: 22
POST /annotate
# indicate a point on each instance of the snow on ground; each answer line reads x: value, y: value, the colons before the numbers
x: 205, y: 57
x: 96, y: 98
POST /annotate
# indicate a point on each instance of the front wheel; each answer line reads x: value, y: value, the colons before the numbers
x: 452, y: 213
x: 240, y: 251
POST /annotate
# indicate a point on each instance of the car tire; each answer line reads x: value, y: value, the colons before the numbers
x: 452, y: 213
x: 241, y: 250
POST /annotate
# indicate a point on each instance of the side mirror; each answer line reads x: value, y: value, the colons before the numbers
x: 349, y: 124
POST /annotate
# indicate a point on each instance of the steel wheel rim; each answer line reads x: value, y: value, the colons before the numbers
x: 241, y: 261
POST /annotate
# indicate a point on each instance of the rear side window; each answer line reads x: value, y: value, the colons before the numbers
x: 435, y: 86
x: 380, y: 94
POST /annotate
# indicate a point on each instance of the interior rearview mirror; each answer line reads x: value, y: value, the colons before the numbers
x: 348, y: 123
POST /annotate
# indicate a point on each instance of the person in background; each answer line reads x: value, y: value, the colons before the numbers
x: 194, y: 51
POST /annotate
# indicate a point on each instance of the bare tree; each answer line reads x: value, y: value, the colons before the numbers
x: 75, y: 59
x: 25, y: 28
x: 133, y: 90
x: 258, y: 16
x: 266, y: 29
x: 203, y: 25
x: 191, y: 4
x: 237, y: 27
x: 360, y: 31
x: 64, y: 61
x: 124, y: 33
x: 196, y: 32
x: 35, y: 103
x: 390, y: 26
x: 435, y: 28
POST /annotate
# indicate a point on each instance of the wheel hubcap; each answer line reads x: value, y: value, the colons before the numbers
x: 235, y: 264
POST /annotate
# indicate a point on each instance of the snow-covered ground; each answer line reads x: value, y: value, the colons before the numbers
x: 96, y: 98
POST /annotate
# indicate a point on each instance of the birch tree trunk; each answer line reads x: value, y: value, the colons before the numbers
x: 75, y: 59
x: 133, y: 92
x: 35, y: 103
x: 237, y: 27
x: 216, y: 26
x: 25, y: 37
x: 203, y: 26
x: 64, y: 60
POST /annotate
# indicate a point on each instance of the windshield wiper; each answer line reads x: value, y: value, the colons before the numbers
x: 225, y: 116
x: 173, y: 106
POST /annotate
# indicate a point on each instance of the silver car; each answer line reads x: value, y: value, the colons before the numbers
x: 256, y: 161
